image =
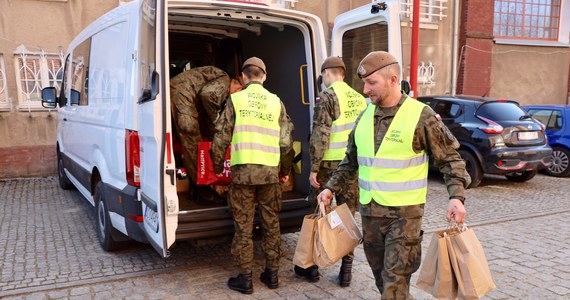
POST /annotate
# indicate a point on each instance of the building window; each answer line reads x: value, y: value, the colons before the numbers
x: 34, y: 71
x: 527, y: 19
x: 431, y: 11
x: 4, y: 104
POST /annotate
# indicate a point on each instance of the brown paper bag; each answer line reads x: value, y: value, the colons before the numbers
x: 436, y: 275
x: 470, y: 265
x: 336, y: 234
x: 303, y: 256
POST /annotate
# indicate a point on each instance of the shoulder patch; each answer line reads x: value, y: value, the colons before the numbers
x: 438, y: 117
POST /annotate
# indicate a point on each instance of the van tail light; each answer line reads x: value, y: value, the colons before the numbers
x: 133, y: 157
x: 492, y: 127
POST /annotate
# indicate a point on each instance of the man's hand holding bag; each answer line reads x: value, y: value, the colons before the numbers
x: 336, y: 235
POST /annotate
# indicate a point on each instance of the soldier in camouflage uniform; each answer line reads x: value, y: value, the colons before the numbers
x: 252, y: 118
x: 392, y: 225
x: 197, y: 96
x: 333, y: 119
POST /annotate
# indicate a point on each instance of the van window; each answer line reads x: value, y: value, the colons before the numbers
x: 356, y: 44
x: 80, y: 74
x: 107, y: 78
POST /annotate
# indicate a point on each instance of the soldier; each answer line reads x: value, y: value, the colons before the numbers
x: 333, y: 120
x: 256, y: 124
x: 188, y: 90
x: 389, y: 148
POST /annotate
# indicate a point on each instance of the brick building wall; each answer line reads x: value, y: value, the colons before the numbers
x: 475, y: 47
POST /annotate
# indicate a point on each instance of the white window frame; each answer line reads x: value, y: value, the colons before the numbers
x: 431, y: 12
x: 37, y: 68
x: 4, y: 99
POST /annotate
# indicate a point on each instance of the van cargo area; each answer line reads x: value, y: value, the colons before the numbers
x: 224, y: 39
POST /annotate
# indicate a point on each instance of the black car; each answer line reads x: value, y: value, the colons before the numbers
x: 496, y: 136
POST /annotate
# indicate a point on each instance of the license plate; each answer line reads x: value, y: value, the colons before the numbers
x: 151, y: 218
x: 528, y: 135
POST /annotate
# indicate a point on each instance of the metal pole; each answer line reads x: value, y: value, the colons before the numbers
x: 414, y: 49
x: 454, y: 48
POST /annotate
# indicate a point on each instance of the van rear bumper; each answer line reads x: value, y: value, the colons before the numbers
x: 124, y: 203
x: 218, y: 222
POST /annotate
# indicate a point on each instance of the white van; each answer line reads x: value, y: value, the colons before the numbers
x: 114, y: 140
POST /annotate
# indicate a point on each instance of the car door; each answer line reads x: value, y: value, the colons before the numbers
x: 552, y: 119
x: 372, y: 27
x: 157, y: 170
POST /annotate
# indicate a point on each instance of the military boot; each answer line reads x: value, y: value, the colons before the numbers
x: 242, y: 283
x: 311, y: 274
x: 345, y: 274
x: 270, y: 278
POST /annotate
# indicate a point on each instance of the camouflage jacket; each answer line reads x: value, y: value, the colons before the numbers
x: 204, y: 91
x: 251, y: 174
x: 431, y: 135
x: 326, y: 111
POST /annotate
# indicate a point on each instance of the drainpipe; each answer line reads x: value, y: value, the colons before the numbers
x: 414, y: 49
x: 454, y: 48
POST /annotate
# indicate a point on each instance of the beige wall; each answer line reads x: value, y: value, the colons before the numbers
x: 531, y: 75
x: 27, y: 139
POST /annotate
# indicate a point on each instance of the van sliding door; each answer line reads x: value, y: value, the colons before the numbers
x: 157, y: 170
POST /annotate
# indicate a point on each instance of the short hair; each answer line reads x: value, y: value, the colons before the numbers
x: 393, y: 69
x: 253, y: 72
x: 336, y: 71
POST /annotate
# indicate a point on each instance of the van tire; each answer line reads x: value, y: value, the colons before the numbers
x: 473, y: 168
x: 522, y: 176
x: 105, y: 229
x: 63, y: 180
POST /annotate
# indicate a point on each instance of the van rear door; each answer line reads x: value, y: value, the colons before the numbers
x: 157, y: 169
x: 372, y: 27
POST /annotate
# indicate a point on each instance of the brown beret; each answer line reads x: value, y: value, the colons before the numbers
x: 254, y: 61
x: 333, y: 62
x: 375, y: 61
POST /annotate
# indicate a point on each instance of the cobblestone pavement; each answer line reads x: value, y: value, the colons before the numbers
x: 49, y: 249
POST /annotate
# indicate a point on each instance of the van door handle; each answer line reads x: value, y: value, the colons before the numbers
x: 65, y: 119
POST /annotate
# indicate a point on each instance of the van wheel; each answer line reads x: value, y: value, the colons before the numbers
x: 522, y: 176
x: 560, y: 162
x: 64, y: 182
x: 105, y: 230
x: 473, y: 168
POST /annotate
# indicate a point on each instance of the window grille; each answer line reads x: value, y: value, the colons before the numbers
x: 34, y: 71
x: 431, y: 11
x: 4, y: 104
x: 527, y: 19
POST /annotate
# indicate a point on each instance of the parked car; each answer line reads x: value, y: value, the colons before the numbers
x: 555, y: 118
x: 496, y: 136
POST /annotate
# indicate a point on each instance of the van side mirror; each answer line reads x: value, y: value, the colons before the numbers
x: 405, y: 87
x: 49, y: 99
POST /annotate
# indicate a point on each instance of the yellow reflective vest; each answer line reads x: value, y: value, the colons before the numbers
x: 351, y: 104
x: 255, y: 138
x: 395, y: 175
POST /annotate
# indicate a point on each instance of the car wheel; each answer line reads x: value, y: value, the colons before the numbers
x: 64, y: 181
x: 522, y: 176
x: 560, y: 162
x: 105, y: 230
x: 473, y: 168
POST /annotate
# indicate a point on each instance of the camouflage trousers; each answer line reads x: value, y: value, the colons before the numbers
x: 242, y: 199
x: 392, y: 244
x: 349, y: 195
